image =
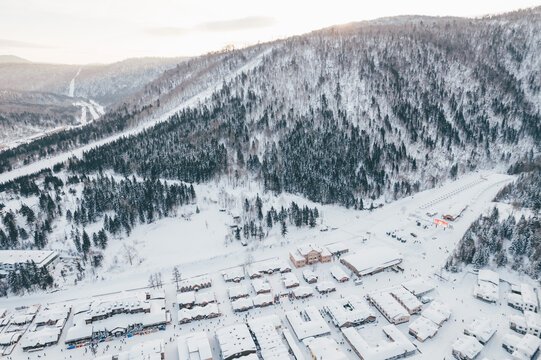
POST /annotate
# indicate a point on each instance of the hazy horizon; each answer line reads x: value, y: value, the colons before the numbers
x: 102, y: 32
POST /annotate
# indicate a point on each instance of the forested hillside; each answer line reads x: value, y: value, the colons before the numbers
x: 513, y: 240
x: 348, y: 114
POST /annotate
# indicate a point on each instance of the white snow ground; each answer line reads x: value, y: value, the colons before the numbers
x: 195, y: 242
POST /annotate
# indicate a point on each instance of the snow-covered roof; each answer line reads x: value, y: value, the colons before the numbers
x: 185, y: 298
x: 194, y: 346
x: 198, y: 281
x: 198, y: 312
x: 39, y: 257
x: 309, y: 275
x: 324, y: 348
x: 290, y: 280
x: 263, y: 299
x: 233, y: 274
x: 423, y: 328
x: 488, y: 275
x: 407, y: 299
x: 468, y: 346
x: 305, y: 249
x: 261, y: 285
x: 348, y: 312
x: 308, y: 323
x: 296, y: 256
x: 235, y: 339
x: 526, y: 347
x: 437, y: 312
x: 265, y: 266
x: 533, y: 319
x: 487, y: 291
x: 48, y: 335
x: 325, y: 286
x: 53, y: 314
x: 481, y: 328
x: 369, y: 260
x: 389, y: 304
x: 418, y: 286
x: 149, y: 350
x: 241, y: 304
x: 238, y: 291
x: 337, y: 247
x: 303, y: 291
x: 269, y: 340
x: 338, y: 273
x: 399, y: 344
x: 9, y: 338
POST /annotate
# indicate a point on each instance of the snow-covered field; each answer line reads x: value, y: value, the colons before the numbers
x: 196, y: 243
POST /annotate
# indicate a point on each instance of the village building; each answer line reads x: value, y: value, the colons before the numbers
x: 302, y: 292
x: 261, y: 286
x: 39, y: 339
x: 290, y: 280
x: 371, y: 260
x: 234, y: 274
x: 197, y: 313
x: 235, y: 341
x: 309, y: 276
x: 265, y: 331
x: 195, y: 284
x: 481, y: 329
x: 523, y: 297
x: 266, y: 267
x: 466, y: 348
x: 398, y: 346
x: 325, y: 287
x: 238, y: 291
x: 529, y: 323
x: 242, y: 304
x: 406, y: 299
x: 194, y: 346
x: 307, y: 323
x: 352, y: 311
x: 11, y: 260
x: 117, y: 315
x: 337, y: 249
x: 437, y: 312
x: 263, y: 300
x: 487, y: 287
x: 418, y: 286
x: 150, y: 350
x: 46, y: 328
x: 293, y: 345
x: 324, y: 348
x: 192, y: 298
x: 422, y: 329
x: 521, y: 348
x: 308, y: 254
x: 389, y: 307
x: 338, y: 274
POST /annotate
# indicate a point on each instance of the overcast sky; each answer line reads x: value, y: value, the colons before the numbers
x: 89, y: 31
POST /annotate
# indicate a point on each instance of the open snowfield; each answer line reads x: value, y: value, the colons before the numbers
x: 196, y: 243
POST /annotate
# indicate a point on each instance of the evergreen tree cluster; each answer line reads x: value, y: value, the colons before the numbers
x: 257, y: 223
x: 506, y: 241
x: 28, y: 277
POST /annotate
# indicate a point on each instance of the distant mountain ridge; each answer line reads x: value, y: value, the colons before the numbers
x: 13, y: 59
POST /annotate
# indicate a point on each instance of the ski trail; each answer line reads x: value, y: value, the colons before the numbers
x: 72, y: 84
x: 152, y: 121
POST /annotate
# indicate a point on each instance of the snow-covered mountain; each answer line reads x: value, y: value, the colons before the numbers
x: 91, y: 87
x: 347, y: 114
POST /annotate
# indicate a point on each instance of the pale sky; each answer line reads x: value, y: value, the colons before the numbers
x: 90, y: 31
